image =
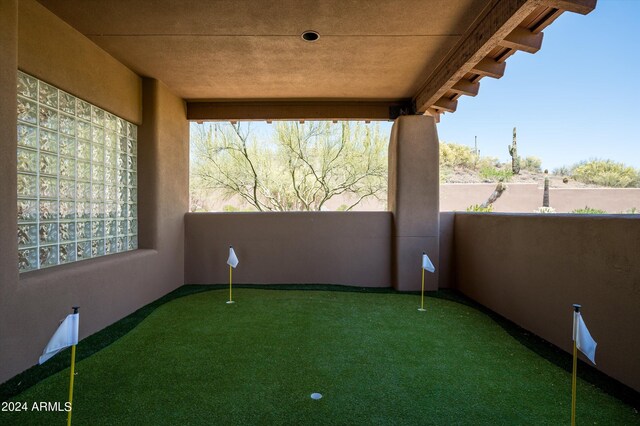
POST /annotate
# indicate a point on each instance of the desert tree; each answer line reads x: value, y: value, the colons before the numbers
x: 301, y: 167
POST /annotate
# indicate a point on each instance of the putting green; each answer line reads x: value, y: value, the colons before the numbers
x: 374, y: 358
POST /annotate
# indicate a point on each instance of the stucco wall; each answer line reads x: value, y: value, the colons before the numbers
x: 109, y: 287
x: 413, y: 200
x: 350, y: 248
x: 274, y: 248
x: 50, y: 49
x: 446, y: 275
x: 532, y: 268
x: 527, y: 197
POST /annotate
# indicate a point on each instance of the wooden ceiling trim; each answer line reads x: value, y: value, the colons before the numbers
x: 504, y: 54
x: 508, y: 26
x: 466, y: 87
x: 445, y: 104
x: 533, y: 16
x: 546, y: 20
x: 582, y: 7
x: 489, y: 68
x: 474, y: 46
x: 294, y: 110
x: 523, y: 39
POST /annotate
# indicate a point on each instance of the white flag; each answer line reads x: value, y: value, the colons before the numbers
x: 426, y: 263
x: 584, y: 341
x: 233, y: 259
x: 66, y: 335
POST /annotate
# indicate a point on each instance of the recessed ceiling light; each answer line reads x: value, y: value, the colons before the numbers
x: 310, y: 36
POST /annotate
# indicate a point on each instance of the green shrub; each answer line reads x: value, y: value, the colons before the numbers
x: 494, y: 174
x: 562, y: 171
x: 545, y: 210
x: 456, y: 155
x: 479, y: 209
x: 445, y: 174
x: 227, y: 208
x: 588, y: 210
x: 632, y: 210
x: 532, y: 164
x: 606, y: 173
x: 488, y: 162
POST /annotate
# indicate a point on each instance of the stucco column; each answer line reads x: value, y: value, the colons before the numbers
x: 414, y: 200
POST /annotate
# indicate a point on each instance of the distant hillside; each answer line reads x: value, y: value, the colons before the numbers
x: 460, y: 164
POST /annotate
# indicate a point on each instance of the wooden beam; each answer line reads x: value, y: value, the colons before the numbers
x: 582, y: 7
x: 435, y: 114
x: 502, y: 57
x: 466, y: 87
x: 289, y: 110
x: 546, y: 20
x: 496, y: 23
x: 523, y: 39
x: 444, y: 104
x: 489, y: 68
x: 499, y: 20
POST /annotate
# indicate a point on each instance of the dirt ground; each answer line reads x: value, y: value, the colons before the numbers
x: 469, y: 176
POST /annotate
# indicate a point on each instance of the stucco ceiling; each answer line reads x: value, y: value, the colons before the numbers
x: 251, y: 49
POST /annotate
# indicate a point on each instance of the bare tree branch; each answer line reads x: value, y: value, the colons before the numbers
x: 302, y: 168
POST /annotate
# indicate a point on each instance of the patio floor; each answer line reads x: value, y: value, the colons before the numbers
x: 373, y: 357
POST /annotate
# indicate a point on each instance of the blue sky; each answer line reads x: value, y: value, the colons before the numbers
x: 577, y: 98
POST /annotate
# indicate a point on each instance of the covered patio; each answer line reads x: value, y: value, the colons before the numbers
x: 159, y: 65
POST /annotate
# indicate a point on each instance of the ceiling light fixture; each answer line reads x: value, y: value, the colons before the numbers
x: 310, y: 36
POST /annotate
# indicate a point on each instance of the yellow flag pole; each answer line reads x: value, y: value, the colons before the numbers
x: 422, y: 298
x: 230, y: 285
x: 231, y: 276
x: 72, y: 374
x: 574, y: 375
x: 422, y: 291
x: 573, y: 384
x: 73, y: 368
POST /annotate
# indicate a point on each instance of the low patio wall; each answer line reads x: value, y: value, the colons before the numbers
x: 527, y: 197
x: 532, y: 268
x: 301, y: 247
x: 351, y: 248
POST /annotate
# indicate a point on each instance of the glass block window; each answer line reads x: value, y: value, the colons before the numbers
x: 77, y: 178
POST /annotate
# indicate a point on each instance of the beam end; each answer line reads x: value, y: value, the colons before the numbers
x: 524, y: 40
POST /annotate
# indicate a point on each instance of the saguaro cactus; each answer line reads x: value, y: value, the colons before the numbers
x: 476, y: 153
x: 500, y: 188
x: 513, y: 152
x: 545, y: 195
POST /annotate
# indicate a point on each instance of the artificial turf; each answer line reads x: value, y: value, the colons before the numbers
x: 373, y: 357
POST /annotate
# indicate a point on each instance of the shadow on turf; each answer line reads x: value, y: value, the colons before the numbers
x: 105, y: 337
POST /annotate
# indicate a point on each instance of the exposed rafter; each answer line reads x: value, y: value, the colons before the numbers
x: 499, y: 26
x: 489, y: 68
x: 546, y: 20
x: 582, y: 7
x: 523, y: 39
x: 466, y: 87
x: 474, y: 46
x: 447, y: 105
